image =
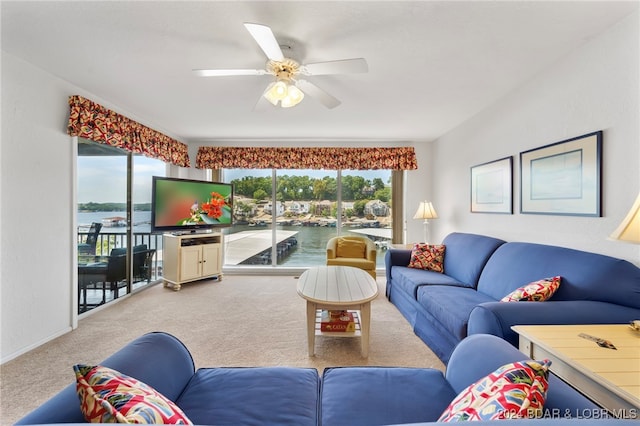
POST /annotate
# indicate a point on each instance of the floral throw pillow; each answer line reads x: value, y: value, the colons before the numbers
x: 108, y: 396
x: 537, y: 291
x: 427, y: 256
x: 516, y: 390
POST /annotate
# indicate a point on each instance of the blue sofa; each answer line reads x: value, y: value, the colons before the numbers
x: 479, y: 270
x: 298, y: 396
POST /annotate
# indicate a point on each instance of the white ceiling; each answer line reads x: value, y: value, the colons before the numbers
x: 432, y: 64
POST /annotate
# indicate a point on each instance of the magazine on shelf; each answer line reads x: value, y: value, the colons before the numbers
x: 337, y: 321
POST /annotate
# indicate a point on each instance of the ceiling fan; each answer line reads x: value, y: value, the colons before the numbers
x: 289, y: 88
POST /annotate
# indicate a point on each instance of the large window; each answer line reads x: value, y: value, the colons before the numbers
x: 285, y: 217
x: 114, y: 186
x: 366, y: 207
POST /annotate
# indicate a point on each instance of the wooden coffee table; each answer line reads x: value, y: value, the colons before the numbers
x: 338, y: 288
x: 611, y: 378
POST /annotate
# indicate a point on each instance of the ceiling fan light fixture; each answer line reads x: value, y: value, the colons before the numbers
x: 276, y: 92
x: 293, y: 98
x: 282, y: 91
x: 268, y: 96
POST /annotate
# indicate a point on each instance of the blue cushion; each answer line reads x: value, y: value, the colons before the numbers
x: 383, y: 395
x: 410, y: 279
x: 451, y: 306
x: 585, y: 276
x: 466, y: 255
x: 252, y: 396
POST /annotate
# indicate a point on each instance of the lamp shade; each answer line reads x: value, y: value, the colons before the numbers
x: 276, y: 92
x: 629, y: 229
x: 425, y: 211
x: 293, y: 98
x: 282, y: 91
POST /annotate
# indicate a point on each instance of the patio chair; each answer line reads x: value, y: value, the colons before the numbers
x: 106, y: 274
x: 142, y: 263
x: 88, y: 247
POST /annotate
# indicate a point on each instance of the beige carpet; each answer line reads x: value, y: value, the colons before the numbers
x: 239, y: 321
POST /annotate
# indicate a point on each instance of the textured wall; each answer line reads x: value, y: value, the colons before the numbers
x: 593, y: 88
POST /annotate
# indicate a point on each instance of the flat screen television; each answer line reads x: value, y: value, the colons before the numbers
x: 189, y: 206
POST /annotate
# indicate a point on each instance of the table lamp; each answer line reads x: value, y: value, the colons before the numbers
x: 629, y: 229
x: 426, y: 211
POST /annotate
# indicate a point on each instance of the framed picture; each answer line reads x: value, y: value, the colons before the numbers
x: 492, y: 187
x: 563, y: 178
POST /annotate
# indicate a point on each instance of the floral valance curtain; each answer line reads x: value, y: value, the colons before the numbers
x: 92, y: 121
x: 213, y: 157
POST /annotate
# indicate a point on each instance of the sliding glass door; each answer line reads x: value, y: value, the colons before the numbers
x: 114, y: 190
x: 147, y: 247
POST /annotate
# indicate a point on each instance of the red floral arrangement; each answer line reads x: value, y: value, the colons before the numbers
x: 213, y: 208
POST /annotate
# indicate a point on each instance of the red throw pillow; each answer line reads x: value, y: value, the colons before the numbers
x: 537, y: 291
x: 516, y: 390
x: 427, y: 256
x: 108, y: 396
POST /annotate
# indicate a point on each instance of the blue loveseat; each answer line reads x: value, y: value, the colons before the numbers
x: 299, y: 396
x: 480, y: 270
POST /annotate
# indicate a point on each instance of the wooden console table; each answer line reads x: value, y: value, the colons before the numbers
x: 610, y: 378
x: 191, y: 257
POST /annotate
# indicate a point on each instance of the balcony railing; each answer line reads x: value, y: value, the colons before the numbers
x: 109, y: 240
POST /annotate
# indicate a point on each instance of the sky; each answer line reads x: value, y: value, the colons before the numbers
x: 104, y: 179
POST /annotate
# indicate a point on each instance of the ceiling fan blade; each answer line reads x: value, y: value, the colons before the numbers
x: 315, y: 92
x: 223, y: 73
x: 262, y: 105
x: 345, y: 66
x: 266, y: 40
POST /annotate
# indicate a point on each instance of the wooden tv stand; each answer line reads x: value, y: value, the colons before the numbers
x: 191, y: 257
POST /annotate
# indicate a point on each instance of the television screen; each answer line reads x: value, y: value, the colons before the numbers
x: 186, y: 205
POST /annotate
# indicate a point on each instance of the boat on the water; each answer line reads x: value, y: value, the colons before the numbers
x: 114, y: 222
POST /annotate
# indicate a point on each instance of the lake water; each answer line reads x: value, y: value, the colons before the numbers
x: 310, y: 250
x: 141, y: 220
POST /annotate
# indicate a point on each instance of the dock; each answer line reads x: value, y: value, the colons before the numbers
x: 377, y: 233
x: 380, y: 236
x: 255, y: 246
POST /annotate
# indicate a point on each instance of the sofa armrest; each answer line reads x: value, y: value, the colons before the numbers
x: 480, y: 354
x: 497, y: 317
x: 476, y: 356
x: 371, y: 255
x: 372, y: 251
x: 332, y: 248
x: 397, y: 257
x: 157, y: 359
